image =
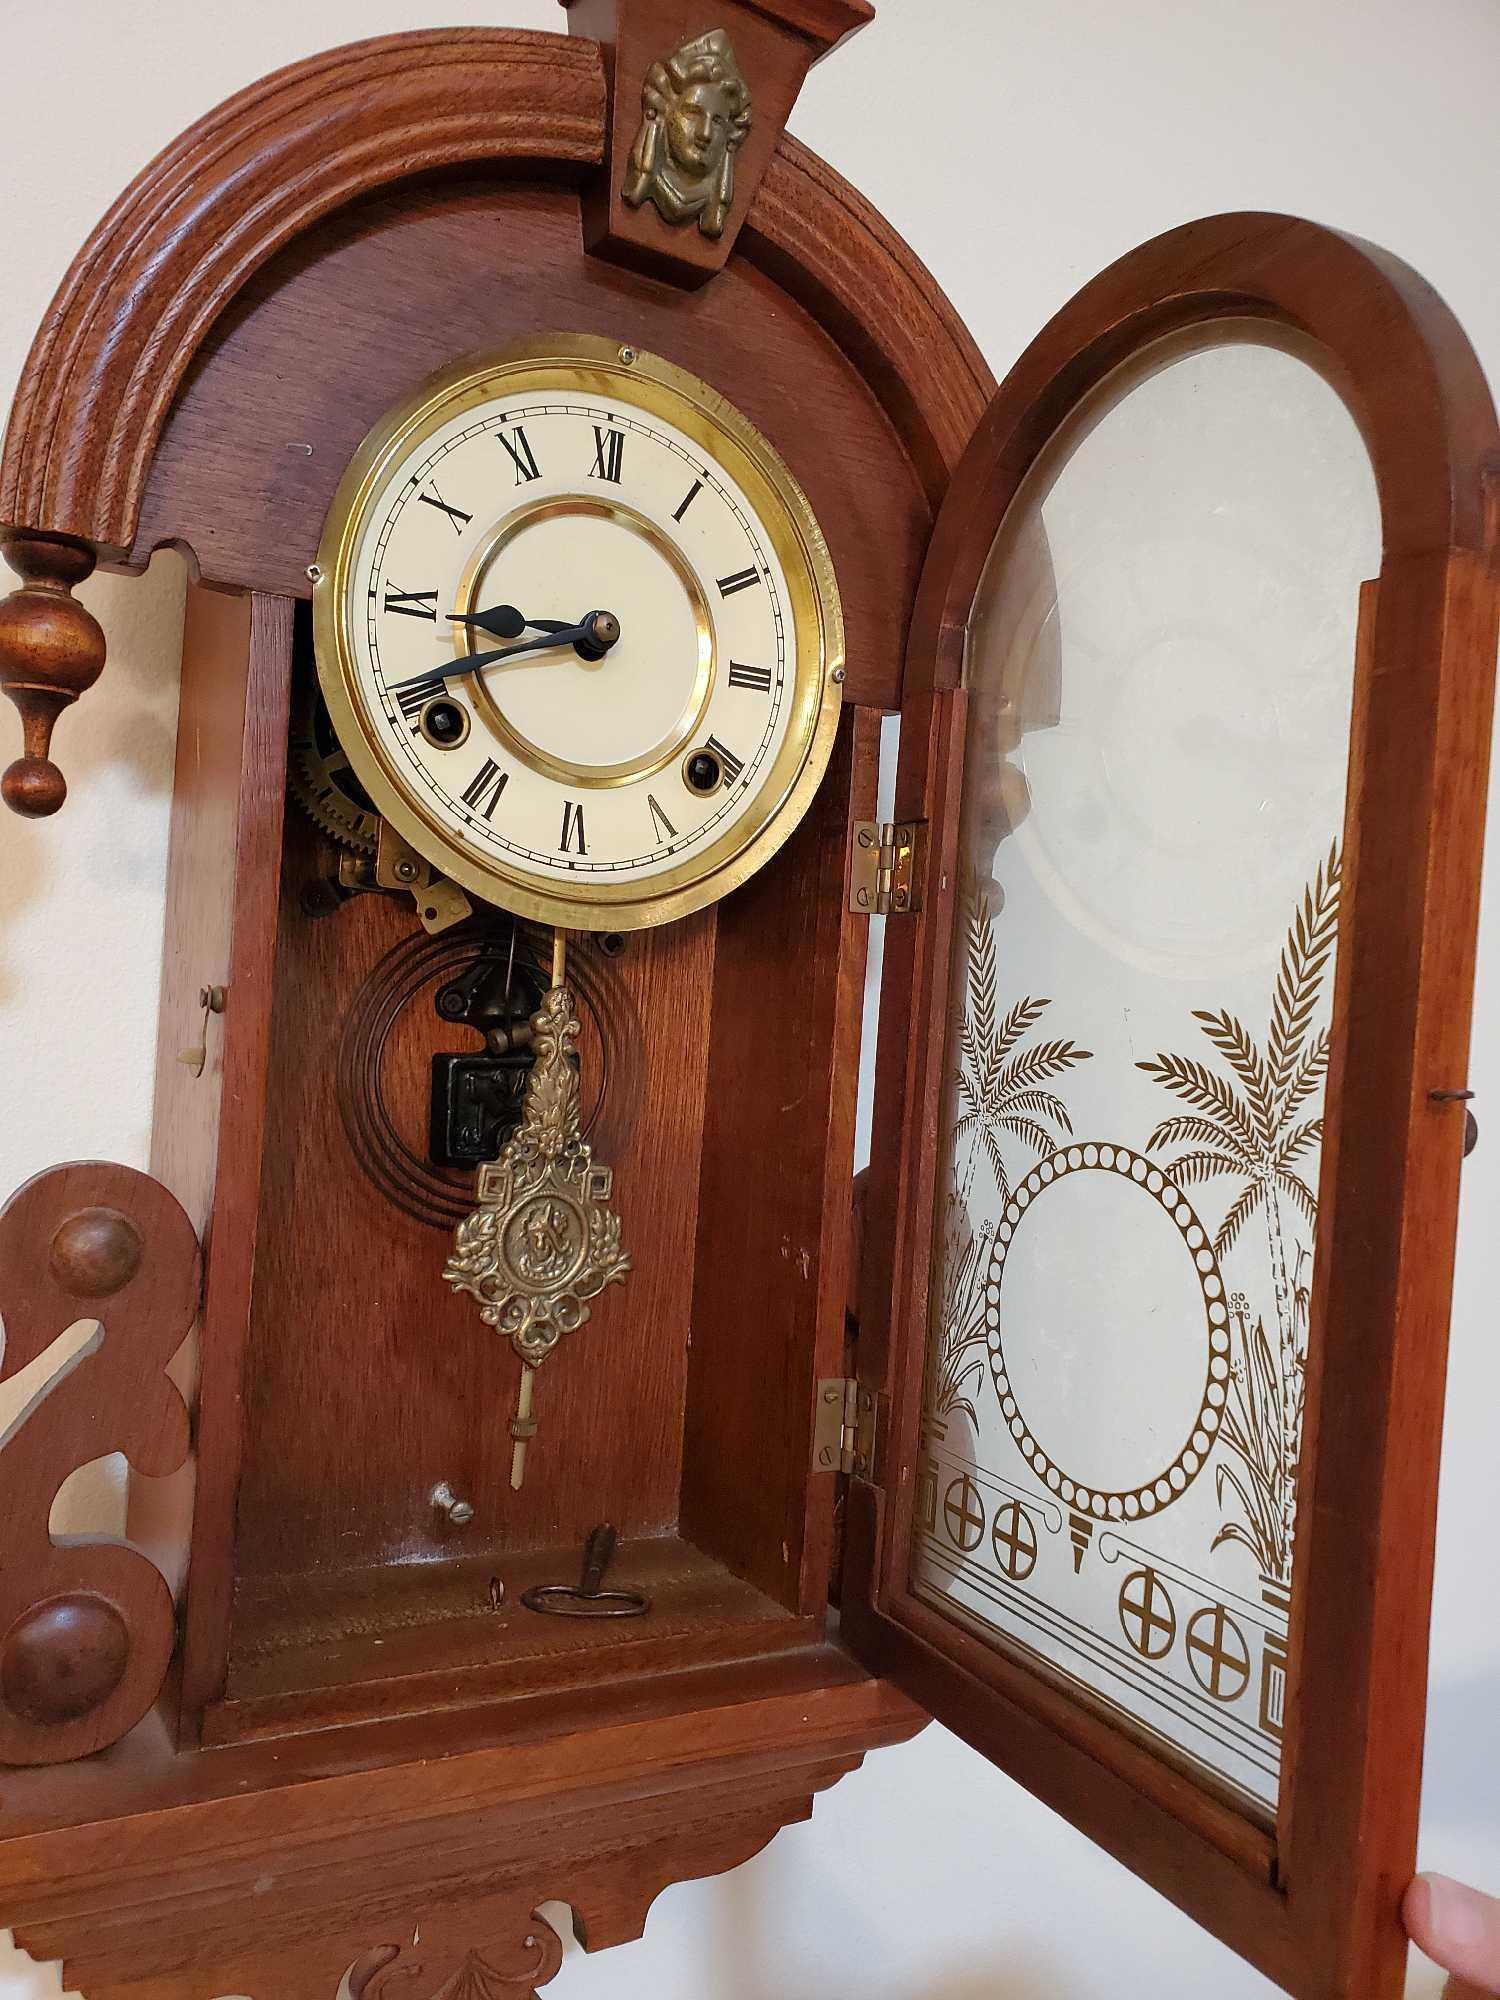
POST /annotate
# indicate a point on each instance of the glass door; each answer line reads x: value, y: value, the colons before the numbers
x: 1169, y: 1096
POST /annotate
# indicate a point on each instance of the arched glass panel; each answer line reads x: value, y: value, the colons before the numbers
x: 1160, y: 671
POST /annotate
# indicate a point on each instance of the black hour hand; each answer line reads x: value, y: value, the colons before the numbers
x: 503, y: 620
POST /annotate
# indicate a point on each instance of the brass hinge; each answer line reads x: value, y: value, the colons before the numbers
x: 846, y: 1428
x: 885, y: 869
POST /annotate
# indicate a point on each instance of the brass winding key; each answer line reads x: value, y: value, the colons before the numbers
x: 543, y: 1239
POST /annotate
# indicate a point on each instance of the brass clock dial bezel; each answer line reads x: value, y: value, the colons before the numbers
x: 588, y: 366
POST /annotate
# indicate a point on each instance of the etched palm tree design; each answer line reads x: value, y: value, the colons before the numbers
x: 1255, y: 1124
x: 1001, y: 1085
x: 959, y: 1359
x: 1004, y: 1099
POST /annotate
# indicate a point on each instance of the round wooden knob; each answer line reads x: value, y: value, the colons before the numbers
x: 63, y: 1658
x: 95, y: 1253
x: 33, y: 787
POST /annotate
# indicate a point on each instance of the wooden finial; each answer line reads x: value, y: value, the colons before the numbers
x: 51, y: 650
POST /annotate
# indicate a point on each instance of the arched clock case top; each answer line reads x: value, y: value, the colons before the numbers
x: 366, y: 1759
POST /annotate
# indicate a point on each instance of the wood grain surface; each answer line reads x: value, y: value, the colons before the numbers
x: 335, y: 331
x: 269, y: 1868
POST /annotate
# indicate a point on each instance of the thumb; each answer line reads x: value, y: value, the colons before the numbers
x: 1459, y: 1929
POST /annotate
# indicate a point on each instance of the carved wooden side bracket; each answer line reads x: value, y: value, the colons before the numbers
x: 86, y: 1625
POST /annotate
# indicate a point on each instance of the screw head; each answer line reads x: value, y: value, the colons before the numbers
x: 315, y: 572
x: 628, y: 357
x: 456, y: 1512
x: 405, y: 869
x: 837, y: 675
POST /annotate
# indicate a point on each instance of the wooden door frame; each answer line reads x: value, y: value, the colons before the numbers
x: 1316, y: 1903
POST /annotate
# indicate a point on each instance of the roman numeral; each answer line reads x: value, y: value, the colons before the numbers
x: 609, y: 449
x: 572, y: 823
x: 414, y: 696
x: 744, y: 579
x: 692, y: 493
x: 456, y: 515
x: 411, y: 603
x: 483, y: 790
x: 741, y: 676
x: 522, y: 457
x: 664, y: 827
x: 732, y: 765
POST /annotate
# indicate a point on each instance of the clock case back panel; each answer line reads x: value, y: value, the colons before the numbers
x: 1313, y: 1896
x: 682, y: 1411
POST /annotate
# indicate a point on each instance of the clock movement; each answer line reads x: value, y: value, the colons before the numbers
x: 576, y: 474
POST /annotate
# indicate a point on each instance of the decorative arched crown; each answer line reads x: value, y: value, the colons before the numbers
x: 145, y: 294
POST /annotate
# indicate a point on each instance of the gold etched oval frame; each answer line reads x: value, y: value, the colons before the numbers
x: 586, y: 365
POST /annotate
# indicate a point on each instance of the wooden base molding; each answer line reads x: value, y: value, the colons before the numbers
x: 225, y: 1880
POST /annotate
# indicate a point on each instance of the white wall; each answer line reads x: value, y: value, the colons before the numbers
x: 1019, y: 148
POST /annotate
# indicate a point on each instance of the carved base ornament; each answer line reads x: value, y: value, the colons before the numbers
x: 543, y: 1240
x: 388, y: 1971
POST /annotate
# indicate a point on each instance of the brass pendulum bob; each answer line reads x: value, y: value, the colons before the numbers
x: 543, y: 1240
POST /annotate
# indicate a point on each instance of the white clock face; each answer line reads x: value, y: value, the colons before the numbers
x: 661, y: 677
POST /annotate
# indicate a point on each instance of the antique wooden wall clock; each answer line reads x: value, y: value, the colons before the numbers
x: 575, y: 472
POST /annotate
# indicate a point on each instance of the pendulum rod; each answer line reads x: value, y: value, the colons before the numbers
x: 523, y: 1428
x: 523, y: 1424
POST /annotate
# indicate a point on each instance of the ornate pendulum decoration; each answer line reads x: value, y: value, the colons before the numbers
x: 543, y: 1240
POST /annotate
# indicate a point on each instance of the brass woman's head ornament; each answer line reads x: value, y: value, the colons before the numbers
x: 695, y: 117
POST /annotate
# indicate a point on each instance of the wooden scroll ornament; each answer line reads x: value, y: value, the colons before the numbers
x: 385, y: 1972
x: 87, y: 1625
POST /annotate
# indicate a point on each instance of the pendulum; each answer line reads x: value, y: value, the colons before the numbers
x: 542, y: 1240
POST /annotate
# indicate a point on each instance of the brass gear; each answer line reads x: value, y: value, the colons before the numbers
x: 321, y: 778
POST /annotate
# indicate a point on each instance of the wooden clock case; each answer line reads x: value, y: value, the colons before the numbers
x: 345, y: 1735
x: 341, y: 1722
